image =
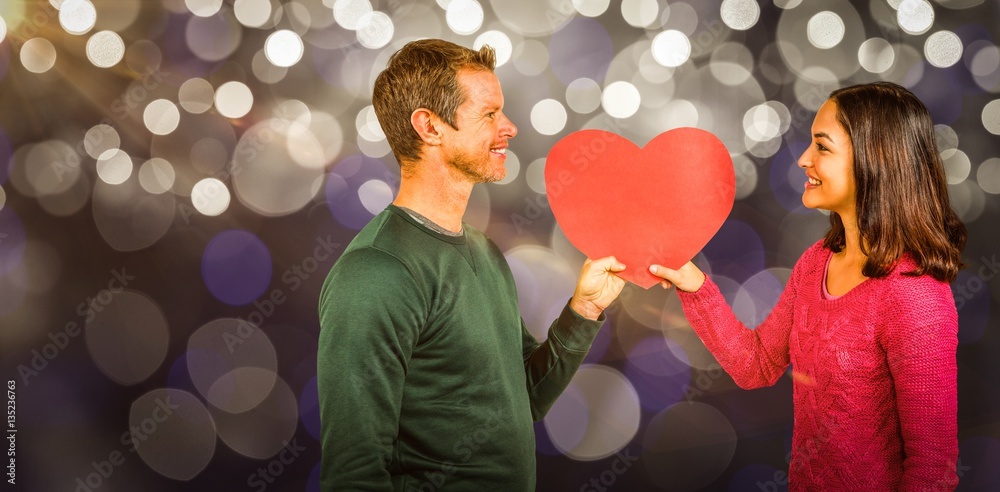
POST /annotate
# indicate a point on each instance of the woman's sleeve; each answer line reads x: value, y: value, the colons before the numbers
x: 754, y: 358
x: 920, y: 340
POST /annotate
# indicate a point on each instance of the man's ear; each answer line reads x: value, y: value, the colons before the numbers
x: 427, y: 125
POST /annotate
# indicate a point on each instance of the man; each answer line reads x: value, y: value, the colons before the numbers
x: 428, y: 379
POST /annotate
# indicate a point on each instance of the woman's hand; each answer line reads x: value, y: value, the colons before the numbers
x: 688, y: 278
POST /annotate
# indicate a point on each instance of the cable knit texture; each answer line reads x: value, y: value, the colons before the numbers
x: 874, y: 374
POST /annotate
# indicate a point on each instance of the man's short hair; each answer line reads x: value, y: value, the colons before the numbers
x: 423, y: 74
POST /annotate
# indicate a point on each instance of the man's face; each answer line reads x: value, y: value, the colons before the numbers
x: 478, y: 147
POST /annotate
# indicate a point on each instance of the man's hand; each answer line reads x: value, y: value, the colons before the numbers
x: 688, y: 278
x: 597, y: 287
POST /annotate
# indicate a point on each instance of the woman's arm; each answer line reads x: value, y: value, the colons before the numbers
x: 754, y: 358
x: 920, y: 340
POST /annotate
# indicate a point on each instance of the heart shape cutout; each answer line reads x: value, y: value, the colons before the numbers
x: 658, y: 204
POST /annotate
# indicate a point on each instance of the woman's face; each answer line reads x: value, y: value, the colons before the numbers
x: 829, y: 165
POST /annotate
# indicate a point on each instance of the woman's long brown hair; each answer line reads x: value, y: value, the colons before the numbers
x: 902, y: 194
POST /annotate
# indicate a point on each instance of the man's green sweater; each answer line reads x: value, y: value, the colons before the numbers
x: 428, y: 378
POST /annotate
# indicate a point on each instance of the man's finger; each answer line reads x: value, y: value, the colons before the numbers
x: 608, y: 263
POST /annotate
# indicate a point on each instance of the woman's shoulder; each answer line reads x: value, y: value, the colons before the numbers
x: 814, y: 257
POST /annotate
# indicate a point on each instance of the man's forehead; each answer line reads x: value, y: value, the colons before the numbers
x: 482, y: 87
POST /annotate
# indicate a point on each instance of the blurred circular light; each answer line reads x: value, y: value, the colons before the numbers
x: 988, y: 176
x: 548, y: 116
x: 513, y: 166
x: 534, y: 175
x: 957, y: 166
x: 375, y: 195
x: 178, y: 442
x: 531, y: 18
x: 78, y: 17
x: 943, y: 49
x: 991, y: 117
x: 3, y: 198
x: 114, y: 166
x: 464, y: 16
x: 128, y: 338
x: 99, y: 139
x: 946, y: 138
x: 598, y: 414
x: 787, y: 4
x: 915, y: 16
x: 156, y: 175
x: 583, y: 95
x: 214, y: 38
x: 500, y: 43
x: 252, y: 13
x: 640, y: 13
x: 671, y: 48
x: 621, y: 99
x: 3, y: 29
x: 210, y: 197
x: 283, y: 48
x: 968, y: 200
x: 265, y: 71
x: 128, y: 218
x: 740, y: 14
x: 825, y: 30
x: 52, y: 167
x: 222, y: 352
x: 986, y: 60
x: 233, y: 99
x: 762, y: 123
x: 693, y: 444
x: 161, y: 117
x: 143, y: 56
x: 876, y: 55
x: 203, y: 8
x: 196, y: 95
x: 105, y: 49
x: 366, y: 122
x: 678, y: 113
x: 591, y: 8
x: 531, y: 57
x: 280, y: 190
x: 375, y: 30
x: 38, y: 55
x: 348, y: 13
x: 746, y: 176
x: 265, y: 429
x: 300, y: 17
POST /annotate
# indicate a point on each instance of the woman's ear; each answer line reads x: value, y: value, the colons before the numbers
x: 427, y: 125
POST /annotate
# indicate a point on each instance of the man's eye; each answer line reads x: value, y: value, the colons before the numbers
x: 491, y: 115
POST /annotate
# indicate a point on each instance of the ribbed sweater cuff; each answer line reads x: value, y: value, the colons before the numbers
x: 696, y: 301
x: 574, y: 332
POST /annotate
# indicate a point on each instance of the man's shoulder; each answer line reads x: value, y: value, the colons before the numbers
x: 380, y: 241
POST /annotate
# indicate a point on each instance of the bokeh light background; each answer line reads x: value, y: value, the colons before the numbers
x: 177, y: 176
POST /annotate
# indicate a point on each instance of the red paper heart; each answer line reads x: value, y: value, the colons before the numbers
x: 659, y: 204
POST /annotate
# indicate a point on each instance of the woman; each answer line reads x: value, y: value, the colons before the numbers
x: 867, y: 319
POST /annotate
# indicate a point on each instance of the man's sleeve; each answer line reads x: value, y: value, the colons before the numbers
x: 370, y: 311
x: 550, y: 365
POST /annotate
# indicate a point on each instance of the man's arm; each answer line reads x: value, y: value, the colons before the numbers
x: 550, y: 366
x: 371, y: 310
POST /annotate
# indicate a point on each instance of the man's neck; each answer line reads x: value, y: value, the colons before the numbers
x: 436, y: 191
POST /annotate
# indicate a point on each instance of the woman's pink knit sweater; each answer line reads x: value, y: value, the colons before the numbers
x: 873, y: 371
